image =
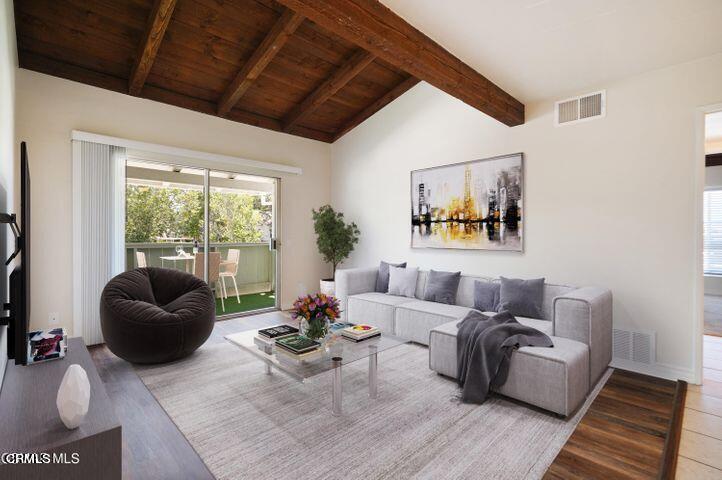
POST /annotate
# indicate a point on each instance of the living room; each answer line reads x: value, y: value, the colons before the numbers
x: 357, y: 104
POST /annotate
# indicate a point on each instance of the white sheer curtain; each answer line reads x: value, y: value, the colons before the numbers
x: 98, y: 230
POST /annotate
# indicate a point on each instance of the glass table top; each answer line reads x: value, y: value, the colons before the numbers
x: 337, y: 347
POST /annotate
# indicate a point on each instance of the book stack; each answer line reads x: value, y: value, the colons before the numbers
x: 267, y: 337
x: 297, y: 347
x: 46, y: 345
x: 360, y: 332
x: 335, y: 329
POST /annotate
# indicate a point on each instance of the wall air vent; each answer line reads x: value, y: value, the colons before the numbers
x: 633, y: 345
x: 580, y: 109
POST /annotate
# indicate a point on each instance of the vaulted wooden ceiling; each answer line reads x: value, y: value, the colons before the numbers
x: 313, y: 68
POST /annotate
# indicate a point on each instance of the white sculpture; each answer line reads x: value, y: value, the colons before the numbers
x: 73, y: 396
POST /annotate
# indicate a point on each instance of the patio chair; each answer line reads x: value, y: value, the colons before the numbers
x: 140, y: 259
x: 230, y: 270
x: 214, y: 268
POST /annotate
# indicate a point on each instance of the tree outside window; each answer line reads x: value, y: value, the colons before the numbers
x: 157, y: 213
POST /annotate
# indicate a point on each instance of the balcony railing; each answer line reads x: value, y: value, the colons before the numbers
x: 256, y: 269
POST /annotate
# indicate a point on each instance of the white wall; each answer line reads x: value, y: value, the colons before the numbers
x: 48, y: 108
x: 8, y: 64
x: 608, y: 202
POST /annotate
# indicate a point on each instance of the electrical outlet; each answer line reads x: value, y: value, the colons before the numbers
x: 53, y: 318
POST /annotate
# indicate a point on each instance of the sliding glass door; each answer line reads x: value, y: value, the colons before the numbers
x: 164, y: 215
x: 219, y: 226
x: 241, y: 228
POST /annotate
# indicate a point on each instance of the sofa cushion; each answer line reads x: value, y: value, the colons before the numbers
x: 465, y: 295
x: 382, y: 277
x: 556, y: 379
x: 486, y: 296
x: 383, y: 298
x: 375, y: 309
x: 522, y: 297
x: 414, y: 320
x: 552, y: 291
x: 543, y: 326
x: 442, y: 309
x: 402, y: 281
x: 421, y: 284
x: 442, y: 287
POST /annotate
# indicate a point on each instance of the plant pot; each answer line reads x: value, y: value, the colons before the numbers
x: 328, y: 286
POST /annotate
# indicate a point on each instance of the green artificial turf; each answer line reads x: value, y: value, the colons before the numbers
x: 253, y: 301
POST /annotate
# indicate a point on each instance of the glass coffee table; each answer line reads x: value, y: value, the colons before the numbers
x: 337, y: 352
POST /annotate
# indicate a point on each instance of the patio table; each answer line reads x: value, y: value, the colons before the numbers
x: 175, y: 258
x: 187, y: 258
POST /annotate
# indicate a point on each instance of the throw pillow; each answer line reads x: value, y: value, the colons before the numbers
x: 382, y: 279
x: 402, y: 281
x: 486, y: 296
x: 521, y: 297
x: 441, y: 287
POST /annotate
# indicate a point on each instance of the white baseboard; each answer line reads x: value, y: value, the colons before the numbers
x: 660, y: 370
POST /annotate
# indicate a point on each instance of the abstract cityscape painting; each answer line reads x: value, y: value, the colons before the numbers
x: 476, y: 205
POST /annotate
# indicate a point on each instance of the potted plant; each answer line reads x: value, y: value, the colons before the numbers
x: 335, y: 241
x: 314, y: 314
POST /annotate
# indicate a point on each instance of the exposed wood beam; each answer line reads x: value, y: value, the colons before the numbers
x: 262, y: 56
x: 377, y: 105
x: 157, y: 24
x: 375, y: 28
x: 51, y: 66
x: 328, y: 88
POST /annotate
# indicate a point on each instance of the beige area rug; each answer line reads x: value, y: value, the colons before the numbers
x: 245, y: 424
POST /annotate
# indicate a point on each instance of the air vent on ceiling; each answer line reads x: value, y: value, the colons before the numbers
x: 634, y: 345
x: 581, y: 108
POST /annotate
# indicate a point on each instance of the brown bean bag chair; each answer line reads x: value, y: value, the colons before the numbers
x: 155, y: 315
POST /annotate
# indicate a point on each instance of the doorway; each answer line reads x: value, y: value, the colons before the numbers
x: 218, y: 225
x: 701, y: 433
x: 712, y: 233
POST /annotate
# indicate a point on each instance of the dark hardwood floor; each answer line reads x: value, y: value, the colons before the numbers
x: 623, y: 433
x: 153, y: 447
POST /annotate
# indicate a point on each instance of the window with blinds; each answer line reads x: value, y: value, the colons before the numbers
x: 713, y: 232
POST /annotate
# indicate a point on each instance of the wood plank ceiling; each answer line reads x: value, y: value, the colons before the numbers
x: 313, y: 68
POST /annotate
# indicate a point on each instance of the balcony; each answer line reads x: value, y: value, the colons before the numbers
x: 255, y: 276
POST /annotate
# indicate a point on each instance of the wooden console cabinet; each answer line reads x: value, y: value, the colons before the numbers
x: 29, y: 422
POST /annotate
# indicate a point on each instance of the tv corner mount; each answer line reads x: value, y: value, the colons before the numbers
x: 11, y: 219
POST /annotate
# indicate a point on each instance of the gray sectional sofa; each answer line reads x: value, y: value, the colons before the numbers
x: 558, y: 379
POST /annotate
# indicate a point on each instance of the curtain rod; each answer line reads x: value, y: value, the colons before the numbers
x: 184, y: 152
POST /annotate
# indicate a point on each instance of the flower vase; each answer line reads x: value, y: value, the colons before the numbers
x: 315, y: 329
